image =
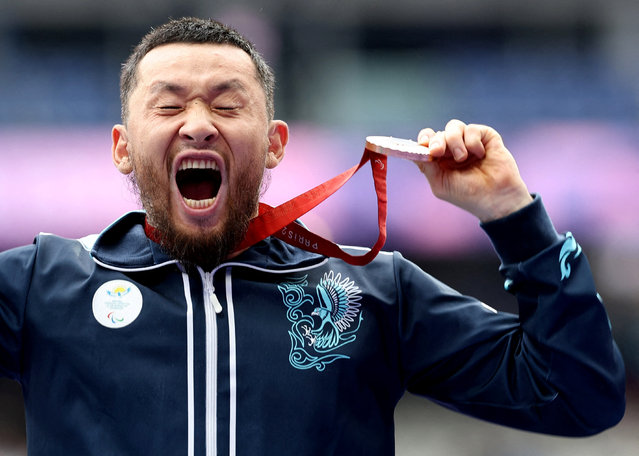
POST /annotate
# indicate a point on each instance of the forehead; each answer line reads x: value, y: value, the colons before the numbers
x: 196, y: 62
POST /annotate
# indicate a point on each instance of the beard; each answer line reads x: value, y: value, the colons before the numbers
x: 207, y: 247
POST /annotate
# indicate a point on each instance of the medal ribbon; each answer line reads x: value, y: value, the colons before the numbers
x: 280, y: 222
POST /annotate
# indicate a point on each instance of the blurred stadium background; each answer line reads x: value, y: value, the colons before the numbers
x: 559, y: 80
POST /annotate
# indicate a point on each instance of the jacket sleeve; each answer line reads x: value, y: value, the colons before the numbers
x: 554, y: 368
x: 15, y: 276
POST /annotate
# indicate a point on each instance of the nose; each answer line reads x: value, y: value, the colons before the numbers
x: 198, y: 126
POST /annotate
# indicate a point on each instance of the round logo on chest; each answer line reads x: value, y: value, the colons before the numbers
x: 117, y: 304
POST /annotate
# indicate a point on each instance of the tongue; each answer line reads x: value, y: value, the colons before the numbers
x: 198, y: 184
x: 197, y: 190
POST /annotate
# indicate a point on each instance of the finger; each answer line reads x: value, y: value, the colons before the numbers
x: 437, y: 144
x: 473, y: 139
x: 424, y: 136
x: 455, y: 139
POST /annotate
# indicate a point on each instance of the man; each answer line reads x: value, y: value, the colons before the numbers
x: 159, y: 336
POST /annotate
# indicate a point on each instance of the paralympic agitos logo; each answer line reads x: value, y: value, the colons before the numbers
x: 117, y: 304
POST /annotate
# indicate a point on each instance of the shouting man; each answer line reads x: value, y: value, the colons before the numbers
x: 166, y: 335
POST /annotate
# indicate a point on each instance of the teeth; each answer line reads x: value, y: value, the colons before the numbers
x: 199, y: 204
x: 191, y: 163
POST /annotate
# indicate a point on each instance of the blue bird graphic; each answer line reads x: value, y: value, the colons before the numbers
x: 338, y: 307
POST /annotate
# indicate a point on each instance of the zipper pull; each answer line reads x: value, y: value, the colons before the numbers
x: 216, y: 302
x: 210, y: 288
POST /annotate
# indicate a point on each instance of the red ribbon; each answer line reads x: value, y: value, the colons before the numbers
x: 280, y: 221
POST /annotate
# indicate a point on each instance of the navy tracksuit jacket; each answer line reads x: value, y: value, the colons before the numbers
x: 120, y: 351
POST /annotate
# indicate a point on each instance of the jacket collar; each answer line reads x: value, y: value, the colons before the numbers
x: 124, y: 245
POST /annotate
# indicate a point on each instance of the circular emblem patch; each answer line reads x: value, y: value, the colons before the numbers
x: 117, y: 304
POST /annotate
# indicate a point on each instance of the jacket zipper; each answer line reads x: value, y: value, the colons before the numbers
x: 209, y: 292
x: 212, y: 307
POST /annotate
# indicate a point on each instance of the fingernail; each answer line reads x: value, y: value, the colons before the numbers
x: 458, y: 153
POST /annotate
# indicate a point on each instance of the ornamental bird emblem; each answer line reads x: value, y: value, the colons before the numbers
x: 338, y: 308
x: 322, y: 323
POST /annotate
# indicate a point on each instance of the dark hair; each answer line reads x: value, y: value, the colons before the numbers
x: 193, y: 30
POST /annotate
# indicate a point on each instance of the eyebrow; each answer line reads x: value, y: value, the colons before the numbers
x: 172, y: 87
x: 231, y: 84
x: 165, y: 86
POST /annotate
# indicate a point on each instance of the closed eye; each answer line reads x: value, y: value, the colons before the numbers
x: 169, y: 110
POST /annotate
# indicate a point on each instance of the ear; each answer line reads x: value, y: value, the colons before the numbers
x: 277, y: 138
x: 119, y: 149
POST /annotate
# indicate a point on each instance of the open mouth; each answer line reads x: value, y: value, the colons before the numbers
x: 198, y: 181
